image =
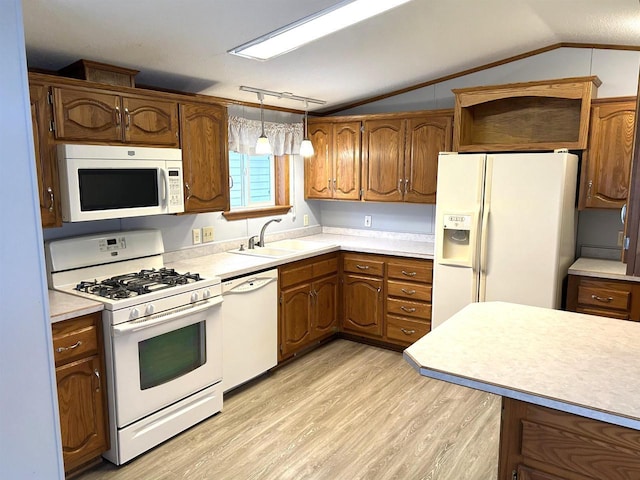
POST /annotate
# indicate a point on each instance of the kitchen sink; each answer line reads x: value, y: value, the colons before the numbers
x: 268, y: 252
x: 297, y: 245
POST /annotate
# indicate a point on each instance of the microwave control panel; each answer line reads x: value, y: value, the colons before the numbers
x: 175, y: 188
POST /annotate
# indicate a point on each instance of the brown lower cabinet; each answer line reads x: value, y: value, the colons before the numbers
x: 386, y: 298
x: 538, y: 443
x: 381, y: 298
x: 308, y: 300
x: 77, y: 349
x: 604, y: 297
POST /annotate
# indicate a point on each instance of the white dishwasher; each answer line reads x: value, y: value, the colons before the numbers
x: 250, y: 327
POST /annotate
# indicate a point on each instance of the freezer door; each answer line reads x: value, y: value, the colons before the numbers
x: 455, y: 276
x: 529, y: 240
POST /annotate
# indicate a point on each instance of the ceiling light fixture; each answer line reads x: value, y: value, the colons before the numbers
x: 315, y: 26
x: 306, y: 147
x: 262, y: 145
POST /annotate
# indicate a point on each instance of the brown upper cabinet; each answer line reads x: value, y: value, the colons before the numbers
x: 46, y: 166
x: 606, y: 163
x: 205, y: 161
x: 334, y: 169
x: 400, y: 156
x: 543, y: 115
x: 86, y: 114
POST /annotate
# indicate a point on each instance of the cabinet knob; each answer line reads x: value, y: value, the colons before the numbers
x: 407, y: 332
x: 409, y: 274
x: 51, y: 203
x: 407, y: 309
x: 97, y: 374
x: 362, y: 267
x: 408, y: 292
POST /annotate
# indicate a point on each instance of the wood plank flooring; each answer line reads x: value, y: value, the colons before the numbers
x: 344, y: 411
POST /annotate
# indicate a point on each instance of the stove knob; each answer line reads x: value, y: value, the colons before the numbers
x: 135, y: 313
x: 150, y: 309
x: 206, y: 293
x: 194, y: 297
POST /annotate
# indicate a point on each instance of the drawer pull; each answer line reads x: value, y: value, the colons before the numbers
x: 602, y: 299
x: 408, y: 310
x: 362, y: 267
x: 407, y: 332
x: 408, y: 292
x: 64, y: 349
x: 409, y: 274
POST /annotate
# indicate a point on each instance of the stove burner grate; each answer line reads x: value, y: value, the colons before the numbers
x: 137, y: 283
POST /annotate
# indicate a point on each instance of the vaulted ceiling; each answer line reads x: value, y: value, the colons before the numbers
x: 183, y: 45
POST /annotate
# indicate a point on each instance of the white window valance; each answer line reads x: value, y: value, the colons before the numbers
x: 285, y: 138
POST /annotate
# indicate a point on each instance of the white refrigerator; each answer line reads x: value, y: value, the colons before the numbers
x: 505, y: 229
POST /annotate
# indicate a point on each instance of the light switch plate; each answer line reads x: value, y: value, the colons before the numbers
x: 367, y: 220
x: 305, y: 220
x: 207, y: 234
x: 196, y: 235
x: 620, y: 238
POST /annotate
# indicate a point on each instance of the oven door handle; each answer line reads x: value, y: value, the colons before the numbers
x: 164, y: 317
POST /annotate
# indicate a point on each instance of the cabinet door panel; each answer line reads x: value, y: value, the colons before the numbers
x: 426, y: 138
x: 150, y: 121
x: 325, y: 303
x: 46, y: 165
x: 346, y: 170
x: 383, y: 159
x: 608, y: 158
x: 205, y: 158
x: 87, y: 115
x: 295, y: 319
x: 318, y: 168
x: 363, y: 305
x: 82, y: 414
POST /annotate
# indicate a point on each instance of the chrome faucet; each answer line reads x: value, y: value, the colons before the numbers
x: 264, y: 227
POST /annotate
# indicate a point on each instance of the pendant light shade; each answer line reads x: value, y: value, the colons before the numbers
x: 262, y: 145
x: 306, y: 147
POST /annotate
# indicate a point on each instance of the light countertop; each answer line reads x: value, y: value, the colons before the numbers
x: 63, y: 306
x: 228, y: 265
x: 596, y: 267
x: 572, y: 362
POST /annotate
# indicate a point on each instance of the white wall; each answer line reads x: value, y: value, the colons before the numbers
x: 29, y: 430
x: 618, y: 71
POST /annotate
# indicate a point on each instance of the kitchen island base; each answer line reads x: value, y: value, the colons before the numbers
x: 539, y: 443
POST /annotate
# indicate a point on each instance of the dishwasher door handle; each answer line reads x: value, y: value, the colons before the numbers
x: 250, y: 285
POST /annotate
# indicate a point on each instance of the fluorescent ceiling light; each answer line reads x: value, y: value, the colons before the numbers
x: 311, y: 28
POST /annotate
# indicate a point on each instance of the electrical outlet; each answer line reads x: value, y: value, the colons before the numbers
x: 620, y: 238
x: 367, y: 220
x: 196, y: 235
x: 305, y: 220
x: 207, y: 234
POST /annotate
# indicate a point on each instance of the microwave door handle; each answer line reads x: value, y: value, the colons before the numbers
x: 165, y: 190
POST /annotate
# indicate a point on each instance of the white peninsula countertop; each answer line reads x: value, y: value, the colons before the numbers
x: 576, y: 363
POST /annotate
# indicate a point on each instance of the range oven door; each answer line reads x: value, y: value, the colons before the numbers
x: 163, y: 358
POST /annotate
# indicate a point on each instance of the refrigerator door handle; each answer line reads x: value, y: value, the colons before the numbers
x: 484, y: 240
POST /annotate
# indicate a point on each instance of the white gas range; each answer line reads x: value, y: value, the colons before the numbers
x: 163, y: 334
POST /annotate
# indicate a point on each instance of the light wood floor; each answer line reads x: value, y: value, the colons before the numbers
x: 345, y: 411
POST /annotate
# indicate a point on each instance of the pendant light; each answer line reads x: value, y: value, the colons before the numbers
x: 262, y: 145
x: 306, y: 147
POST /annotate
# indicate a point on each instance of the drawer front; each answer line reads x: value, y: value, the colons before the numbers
x: 406, y: 331
x: 363, y: 265
x: 603, y: 313
x: 292, y: 275
x: 416, y: 271
x: 408, y: 308
x: 607, y: 298
x: 410, y: 291
x: 74, y: 339
x: 325, y: 267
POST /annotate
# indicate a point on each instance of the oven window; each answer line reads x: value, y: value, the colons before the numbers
x: 113, y: 188
x: 171, y: 355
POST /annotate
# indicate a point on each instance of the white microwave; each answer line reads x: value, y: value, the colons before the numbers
x: 99, y: 182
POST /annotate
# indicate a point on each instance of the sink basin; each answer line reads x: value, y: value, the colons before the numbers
x: 268, y: 252
x: 295, y: 244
